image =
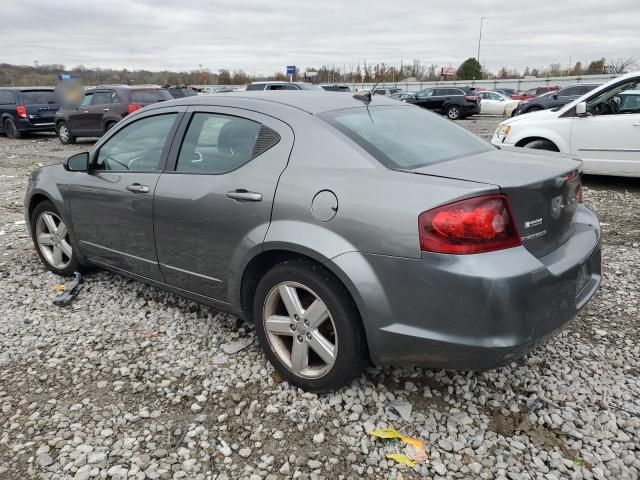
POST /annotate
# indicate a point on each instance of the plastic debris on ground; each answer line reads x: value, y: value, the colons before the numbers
x: 70, y: 291
x: 402, y: 407
x: 404, y: 450
x: 234, y: 347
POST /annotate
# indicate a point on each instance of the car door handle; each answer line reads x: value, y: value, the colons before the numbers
x: 243, y: 195
x: 137, y: 188
x: 106, y: 109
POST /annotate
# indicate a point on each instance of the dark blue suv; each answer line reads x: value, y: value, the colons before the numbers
x: 27, y: 109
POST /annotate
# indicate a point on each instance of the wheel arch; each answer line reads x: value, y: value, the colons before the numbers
x: 522, y: 142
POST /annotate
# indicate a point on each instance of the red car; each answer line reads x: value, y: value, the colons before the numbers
x: 534, y: 92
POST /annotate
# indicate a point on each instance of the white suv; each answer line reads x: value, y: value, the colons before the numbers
x: 602, y: 128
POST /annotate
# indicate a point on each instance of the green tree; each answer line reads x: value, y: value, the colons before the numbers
x: 470, y: 70
x: 596, y: 67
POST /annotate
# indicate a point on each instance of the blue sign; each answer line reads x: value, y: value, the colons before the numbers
x: 291, y: 70
x: 66, y: 76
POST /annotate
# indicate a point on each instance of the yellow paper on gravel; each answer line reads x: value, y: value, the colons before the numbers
x: 58, y: 288
x: 406, y: 450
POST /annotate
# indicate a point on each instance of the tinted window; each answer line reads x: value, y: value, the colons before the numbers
x: 138, y: 146
x: 307, y: 86
x: 405, y: 137
x: 87, y: 99
x: 114, y: 97
x: 176, y: 92
x: 438, y: 92
x: 425, y: 93
x: 6, y: 97
x: 101, y: 98
x: 378, y: 91
x: 284, y: 86
x: 569, y: 92
x: 256, y: 86
x: 39, y: 97
x: 220, y: 143
x: 149, y: 96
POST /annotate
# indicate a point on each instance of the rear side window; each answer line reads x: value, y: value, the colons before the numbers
x: 136, y: 147
x: 102, y: 98
x: 219, y: 144
x: 405, y: 137
x: 149, y: 96
x: 39, y: 97
x: 6, y: 97
x: 282, y: 87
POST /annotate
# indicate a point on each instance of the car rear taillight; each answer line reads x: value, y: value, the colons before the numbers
x: 21, y: 110
x: 580, y: 196
x: 474, y: 225
x: 133, y: 107
x: 576, y: 176
x: 471, y: 98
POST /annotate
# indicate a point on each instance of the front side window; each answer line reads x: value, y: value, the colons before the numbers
x: 568, y: 92
x: 136, y: 147
x: 405, y: 137
x: 219, y: 144
x: 621, y: 99
x: 87, y: 99
x: 101, y: 98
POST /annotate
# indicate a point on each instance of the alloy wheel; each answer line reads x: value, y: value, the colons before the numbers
x: 453, y: 113
x: 300, y: 330
x: 63, y: 132
x: 53, y: 240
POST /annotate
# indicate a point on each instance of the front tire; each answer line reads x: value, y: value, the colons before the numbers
x: 11, y: 129
x: 308, y: 326
x: 52, y: 240
x: 541, y: 144
x: 64, y: 134
x: 453, y: 112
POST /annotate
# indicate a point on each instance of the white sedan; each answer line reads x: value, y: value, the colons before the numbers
x: 496, y: 103
x: 602, y: 128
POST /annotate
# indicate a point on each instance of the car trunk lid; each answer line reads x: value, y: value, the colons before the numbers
x: 542, y: 188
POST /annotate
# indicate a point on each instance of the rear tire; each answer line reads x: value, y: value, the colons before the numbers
x: 329, y: 334
x: 64, y: 134
x: 541, y: 144
x: 11, y: 129
x: 453, y: 112
x: 108, y: 126
x: 52, y: 240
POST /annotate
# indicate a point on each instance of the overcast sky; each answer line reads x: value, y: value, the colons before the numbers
x: 265, y: 36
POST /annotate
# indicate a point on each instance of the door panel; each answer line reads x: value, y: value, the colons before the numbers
x: 608, y: 143
x: 78, y: 117
x: 203, y: 221
x: 112, y: 205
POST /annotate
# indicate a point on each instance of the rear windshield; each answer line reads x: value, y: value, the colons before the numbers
x: 149, y: 96
x: 39, y: 97
x: 405, y: 137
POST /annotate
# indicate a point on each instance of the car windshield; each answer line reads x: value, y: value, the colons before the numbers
x: 149, y: 96
x: 405, y: 137
x: 39, y: 97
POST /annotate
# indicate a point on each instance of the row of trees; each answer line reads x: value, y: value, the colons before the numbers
x: 470, y: 69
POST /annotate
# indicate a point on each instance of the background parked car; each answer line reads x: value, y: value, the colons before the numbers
x: 335, y: 88
x: 509, y: 92
x: 495, y: 103
x: 401, y: 95
x: 103, y: 107
x: 387, y: 91
x: 282, y: 86
x: 602, y: 128
x: 534, y: 92
x: 554, y: 99
x: 454, y: 102
x: 180, y: 92
x: 27, y: 109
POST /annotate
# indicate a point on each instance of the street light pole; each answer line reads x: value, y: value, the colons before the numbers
x: 480, y: 37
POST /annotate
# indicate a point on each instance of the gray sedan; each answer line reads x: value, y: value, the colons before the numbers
x: 347, y: 229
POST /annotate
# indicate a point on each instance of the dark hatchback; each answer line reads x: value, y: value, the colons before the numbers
x: 27, y: 109
x: 453, y: 102
x: 103, y: 107
x: 554, y: 100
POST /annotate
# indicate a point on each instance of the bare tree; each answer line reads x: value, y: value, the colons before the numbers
x: 621, y: 65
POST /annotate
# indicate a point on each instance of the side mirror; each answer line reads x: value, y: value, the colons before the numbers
x: 581, y: 109
x: 77, y: 163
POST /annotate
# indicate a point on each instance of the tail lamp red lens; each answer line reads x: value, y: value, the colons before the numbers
x: 133, y: 107
x: 474, y: 225
x: 21, y: 110
x: 580, y: 196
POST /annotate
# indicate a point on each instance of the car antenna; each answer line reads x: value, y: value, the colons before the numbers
x: 367, y: 95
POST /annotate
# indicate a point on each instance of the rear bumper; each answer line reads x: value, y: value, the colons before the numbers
x: 470, y: 109
x: 25, y: 125
x: 472, y: 311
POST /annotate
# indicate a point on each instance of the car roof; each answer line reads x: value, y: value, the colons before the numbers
x: 313, y: 102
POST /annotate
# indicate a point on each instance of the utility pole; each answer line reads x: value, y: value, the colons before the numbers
x: 480, y: 37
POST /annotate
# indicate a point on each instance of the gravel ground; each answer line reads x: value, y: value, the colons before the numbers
x: 131, y: 382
